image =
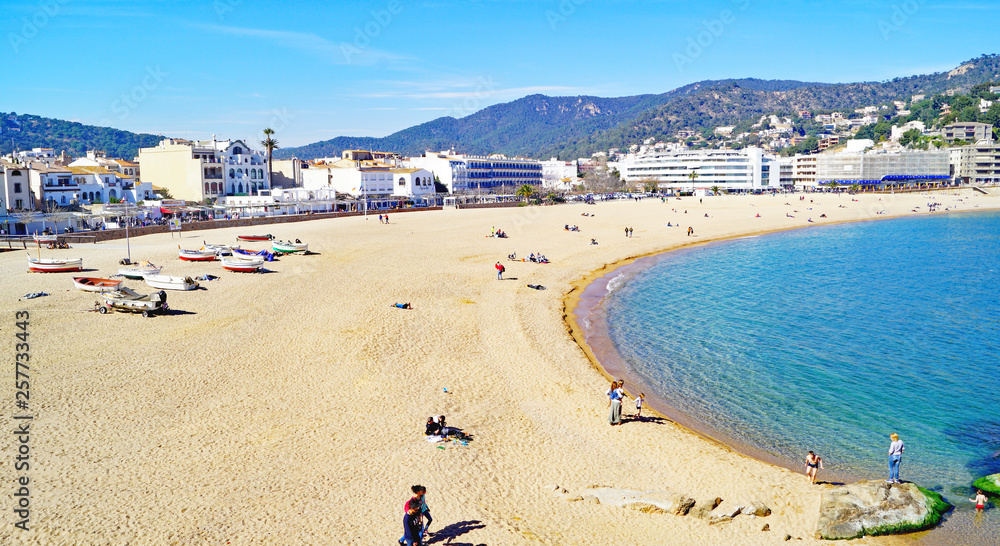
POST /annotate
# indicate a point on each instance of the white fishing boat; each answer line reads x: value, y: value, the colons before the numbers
x: 40, y: 265
x: 288, y: 247
x: 139, y: 270
x: 166, y: 282
x: 46, y: 238
x: 199, y: 255
x: 220, y: 250
x: 242, y: 265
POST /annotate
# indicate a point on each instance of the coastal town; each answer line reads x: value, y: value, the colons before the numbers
x: 232, y: 178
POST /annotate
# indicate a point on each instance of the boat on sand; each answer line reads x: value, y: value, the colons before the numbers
x: 288, y: 247
x: 44, y: 265
x: 200, y: 255
x: 242, y: 265
x: 96, y: 284
x: 137, y: 271
x: 267, y: 237
x: 131, y: 301
x: 166, y: 282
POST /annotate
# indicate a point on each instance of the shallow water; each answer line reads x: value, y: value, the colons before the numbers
x: 829, y: 339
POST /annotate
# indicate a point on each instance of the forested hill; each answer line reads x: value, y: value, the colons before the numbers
x: 570, y: 127
x: 531, y: 126
x: 75, y: 138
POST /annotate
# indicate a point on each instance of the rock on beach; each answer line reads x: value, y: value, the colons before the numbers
x: 878, y: 508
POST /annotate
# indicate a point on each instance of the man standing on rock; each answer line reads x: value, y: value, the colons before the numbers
x: 895, y: 457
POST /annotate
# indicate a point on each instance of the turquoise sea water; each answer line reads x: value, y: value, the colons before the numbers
x: 829, y: 339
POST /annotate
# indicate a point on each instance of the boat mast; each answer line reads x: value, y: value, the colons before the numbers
x: 128, y: 246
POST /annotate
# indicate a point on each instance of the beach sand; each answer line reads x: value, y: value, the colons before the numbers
x: 288, y: 407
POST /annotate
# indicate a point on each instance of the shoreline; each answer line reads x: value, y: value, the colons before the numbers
x: 264, y: 395
x: 579, y: 308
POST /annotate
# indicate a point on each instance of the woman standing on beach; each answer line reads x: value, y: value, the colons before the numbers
x: 615, y: 395
x: 895, y: 457
x: 813, y: 463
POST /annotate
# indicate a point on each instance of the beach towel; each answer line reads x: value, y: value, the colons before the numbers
x: 32, y: 295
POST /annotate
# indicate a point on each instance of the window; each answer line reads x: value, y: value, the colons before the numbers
x: 232, y: 173
x: 237, y: 150
x: 19, y: 204
x: 17, y: 188
x: 402, y: 181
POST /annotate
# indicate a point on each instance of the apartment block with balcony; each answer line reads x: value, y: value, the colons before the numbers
x: 208, y: 169
x: 746, y: 170
x: 978, y: 163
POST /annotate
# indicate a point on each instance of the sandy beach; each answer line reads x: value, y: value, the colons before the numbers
x: 288, y: 407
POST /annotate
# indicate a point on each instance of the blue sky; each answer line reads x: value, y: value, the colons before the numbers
x: 317, y: 70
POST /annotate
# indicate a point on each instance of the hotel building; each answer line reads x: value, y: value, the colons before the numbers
x: 207, y: 169
x: 745, y: 170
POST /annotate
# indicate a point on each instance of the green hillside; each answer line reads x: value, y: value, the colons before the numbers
x: 75, y: 138
x: 569, y: 127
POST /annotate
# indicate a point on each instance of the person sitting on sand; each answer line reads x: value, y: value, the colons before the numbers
x: 432, y: 428
x: 813, y: 461
x: 593, y: 241
x: 531, y: 258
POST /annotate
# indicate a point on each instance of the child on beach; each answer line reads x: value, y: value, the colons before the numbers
x: 980, y: 500
x: 638, y: 405
x: 813, y: 463
x: 412, y: 529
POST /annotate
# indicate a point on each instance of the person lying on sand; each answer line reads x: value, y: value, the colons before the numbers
x: 402, y: 305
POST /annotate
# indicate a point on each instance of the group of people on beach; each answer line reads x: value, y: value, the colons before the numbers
x: 896, y: 449
x: 383, y: 218
x: 616, y: 395
x: 496, y: 232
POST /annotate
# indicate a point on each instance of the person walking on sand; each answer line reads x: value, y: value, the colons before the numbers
x: 412, y: 529
x: 690, y: 231
x: 423, y: 513
x: 980, y: 500
x: 813, y: 463
x: 895, y: 457
x: 500, y: 270
x: 638, y: 405
x: 615, y: 395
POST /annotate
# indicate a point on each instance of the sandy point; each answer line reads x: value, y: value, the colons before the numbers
x: 288, y: 407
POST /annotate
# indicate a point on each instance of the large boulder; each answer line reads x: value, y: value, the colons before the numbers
x: 988, y: 484
x: 878, y: 508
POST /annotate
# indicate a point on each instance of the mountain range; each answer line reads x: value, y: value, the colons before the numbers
x: 566, y: 127
x: 570, y: 127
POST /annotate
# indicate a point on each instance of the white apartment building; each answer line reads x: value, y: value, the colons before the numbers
x: 207, y: 169
x: 371, y: 179
x: 804, y: 171
x: 746, y: 170
x: 978, y: 163
x: 554, y: 171
x: 497, y: 173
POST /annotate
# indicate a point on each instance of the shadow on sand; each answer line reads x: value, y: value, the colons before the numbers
x: 448, y: 534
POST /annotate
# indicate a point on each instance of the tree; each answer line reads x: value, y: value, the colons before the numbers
x: 716, y: 190
x: 525, y: 191
x: 270, y: 144
x: 693, y: 175
x: 910, y: 137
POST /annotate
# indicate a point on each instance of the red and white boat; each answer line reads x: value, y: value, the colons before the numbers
x: 40, y: 265
x: 96, y: 284
x: 200, y: 255
x: 267, y: 237
x: 242, y: 265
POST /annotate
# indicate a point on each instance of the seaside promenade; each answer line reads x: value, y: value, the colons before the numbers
x: 288, y: 407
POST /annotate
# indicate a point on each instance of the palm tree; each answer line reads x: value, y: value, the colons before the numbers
x: 525, y: 191
x: 270, y: 144
x: 692, y: 175
x: 716, y: 190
